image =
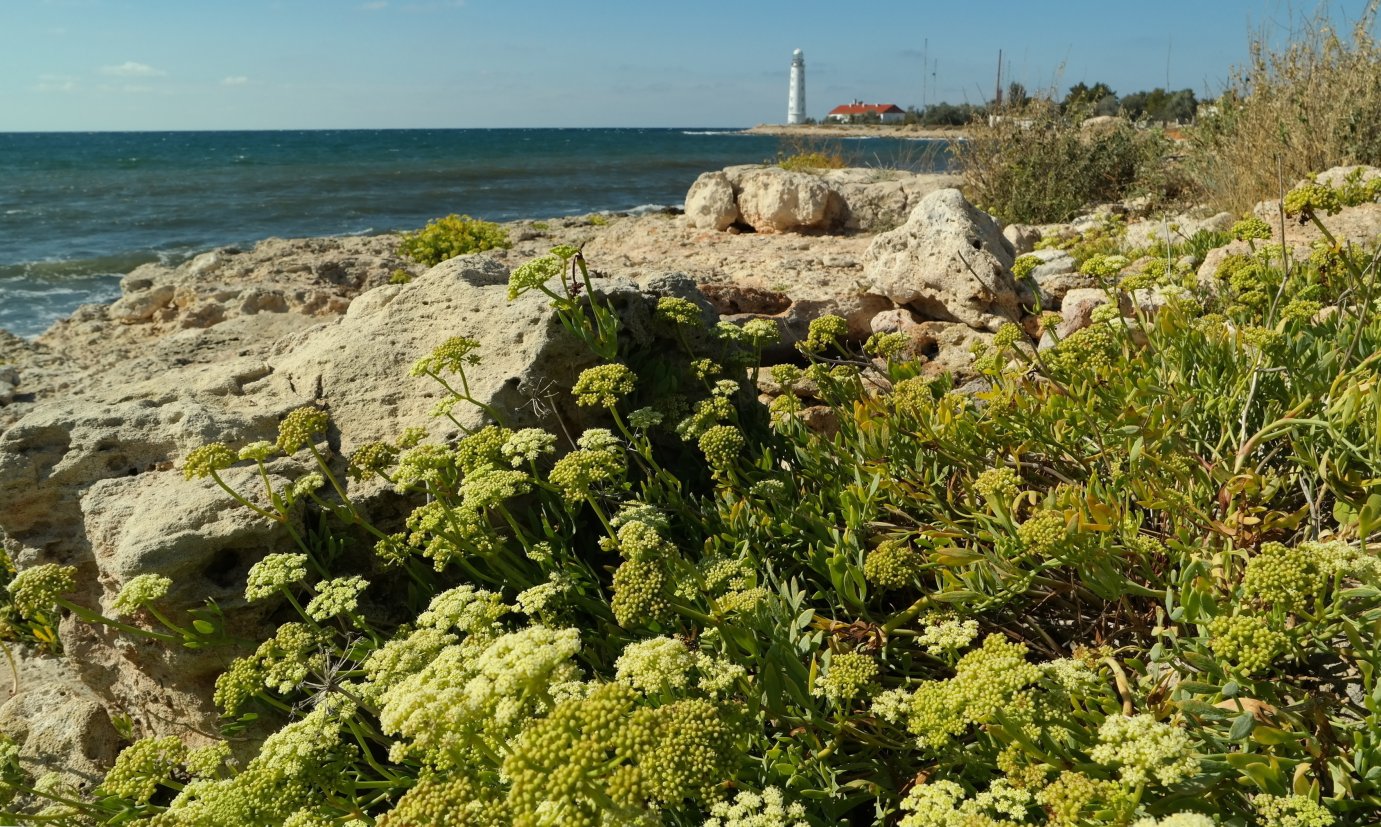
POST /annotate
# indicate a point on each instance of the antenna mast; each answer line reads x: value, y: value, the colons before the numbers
x: 997, y: 98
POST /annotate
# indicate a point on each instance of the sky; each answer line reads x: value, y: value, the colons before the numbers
x: 94, y: 65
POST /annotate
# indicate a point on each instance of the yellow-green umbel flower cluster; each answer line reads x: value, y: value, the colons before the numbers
x: 849, y: 675
x: 472, y: 698
x: 1282, y: 576
x: 722, y: 446
x: 1088, y: 351
x: 1145, y: 750
x: 534, y: 274
x: 602, y: 386
x: 639, y: 540
x: 1311, y: 199
x: 1072, y: 798
x: 823, y: 332
x: 527, y: 446
x: 892, y: 565
x: 578, y: 473
x: 1292, y: 811
x: 655, y: 666
x: 140, y: 591
x: 914, y: 397
x: 645, y: 419
x: 707, y: 412
x: 1104, y: 266
x: 886, y: 345
x: 208, y: 761
x: 679, y: 311
x: 451, y: 356
x: 750, y: 809
x: 260, y: 451
x: 1177, y: 820
x: 300, y: 428
x: 274, y: 572
x: 1251, y: 228
x: 432, y: 465
x: 762, y: 332
x: 449, y: 800
x: 945, y: 635
x: 1247, y: 642
x: 208, y: 459
x: 337, y: 596
x: 36, y: 590
x: 142, y: 767
x: 640, y: 588
x: 372, y: 459
x: 942, y: 803
x: 998, y: 486
x: 1045, y: 530
x: 984, y: 681
x: 1025, y: 265
x: 491, y: 486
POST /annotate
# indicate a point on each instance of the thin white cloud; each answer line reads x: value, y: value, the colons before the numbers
x: 235, y: 80
x: 55, y: 83
x: 131, y: 69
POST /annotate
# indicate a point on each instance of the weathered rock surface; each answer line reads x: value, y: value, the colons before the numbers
x: 710, y: 203
x: 1176, y: 229
x: 769, y: 199
x: 948, y: 262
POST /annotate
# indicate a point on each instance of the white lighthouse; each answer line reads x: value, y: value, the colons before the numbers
x: 796, y: 97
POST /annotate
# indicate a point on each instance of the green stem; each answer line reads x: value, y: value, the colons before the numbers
x: 96, y: 618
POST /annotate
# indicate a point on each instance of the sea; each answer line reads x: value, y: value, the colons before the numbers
x: 78, y: 210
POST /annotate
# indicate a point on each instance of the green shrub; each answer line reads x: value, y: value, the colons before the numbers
x: 1037, y: 165
x: 811, y: 161
x: 454, y: 235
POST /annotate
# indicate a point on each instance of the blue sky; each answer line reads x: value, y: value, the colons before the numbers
x: 278, y: 64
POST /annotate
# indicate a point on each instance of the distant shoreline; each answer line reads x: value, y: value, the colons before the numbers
x: 859, y: 130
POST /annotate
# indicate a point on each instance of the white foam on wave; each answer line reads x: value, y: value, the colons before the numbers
x: 648, y: 209
x: 711, y: 132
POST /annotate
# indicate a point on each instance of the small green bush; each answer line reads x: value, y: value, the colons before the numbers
x: 811, y: 161
x: 454, y: 235
x: 1037, y: 165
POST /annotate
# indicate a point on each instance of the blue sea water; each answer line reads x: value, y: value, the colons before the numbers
x: 77, y: 210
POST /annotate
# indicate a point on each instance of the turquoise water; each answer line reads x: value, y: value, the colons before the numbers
x: 77, y: 210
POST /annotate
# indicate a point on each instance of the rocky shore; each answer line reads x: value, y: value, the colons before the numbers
x: 97, y: 414
x: 858, y: 130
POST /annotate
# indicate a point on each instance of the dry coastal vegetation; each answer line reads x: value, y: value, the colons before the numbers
x: 1126, y: 579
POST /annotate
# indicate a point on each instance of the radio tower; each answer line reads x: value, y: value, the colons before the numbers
x: 796, y: 97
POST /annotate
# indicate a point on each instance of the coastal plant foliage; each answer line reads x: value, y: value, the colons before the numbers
x: 1037, y: 164
x: 454, y: 235
x: 1130, y: 582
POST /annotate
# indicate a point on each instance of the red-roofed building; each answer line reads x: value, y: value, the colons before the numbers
x: 860, y: 111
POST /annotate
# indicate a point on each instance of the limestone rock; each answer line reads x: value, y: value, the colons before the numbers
x: 1022, y: 237
x: 949, y: 262
x: 710, y: 202
x: 1078, y: 307
x: 1055, y: 276
x: 876, y: 200
x: 58, y: 722
x: 774, y: 200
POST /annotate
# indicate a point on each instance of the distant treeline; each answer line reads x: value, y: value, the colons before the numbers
x: 1098, y: 99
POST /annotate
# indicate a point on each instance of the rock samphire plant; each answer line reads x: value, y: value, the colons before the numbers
x: 454, y: 235
x: 1131, y: 582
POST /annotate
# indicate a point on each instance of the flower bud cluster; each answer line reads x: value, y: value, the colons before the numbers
x: 678, y: 311
x: 1144, y: 750
x: 722, y: 446
x: 603, y: 386
x: 371, y: 459
x: 998, y: 486
x: 140, y: 591
x: 208, y: 459
x: 823, y: 332
x: 527, y: 445
x: 945, y: 635
x: 338, y: 596
x: 533, y: 274
x: 655, y: 666
x: 274, y: 572
x: 984, y: 681
x: 300, y: 428
x: 750, y: 809
x: 36, y: 590
x: 142, y: 766
x: 849, y: 675
x: 892, y: 565
x: 1292, y: 811
x: 1045, y: 530
x: 1247, y: 642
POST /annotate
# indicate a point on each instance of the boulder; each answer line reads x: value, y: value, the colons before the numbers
x: 1055, y: 276
x: 948, y: 262
x: 1022, y: 237
x: 1079, y: 304
x: 877, y: 200
x: 710, y: 202
x: 775, y: 200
